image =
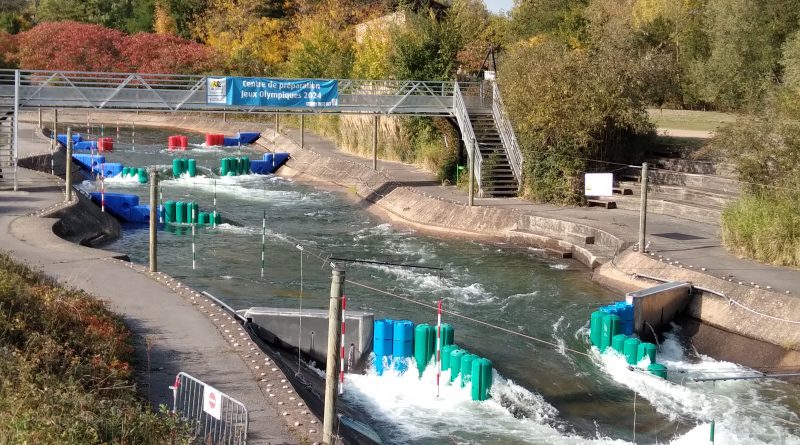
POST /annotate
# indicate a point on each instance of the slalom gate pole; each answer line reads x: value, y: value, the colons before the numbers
x: 341, y: 352
x: 133, y: 136
x: 264, y: 241
x: 215, y: 203
x: 194, y: 251
x: 102, y: 190
x: 161, y: 205
x: 438, y: 345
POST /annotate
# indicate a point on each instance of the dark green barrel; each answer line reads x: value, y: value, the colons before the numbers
x: 630, y: 350
x: 421, y: 346
x: 448, y: 335
x: 431, y: 342
x: 142, y: 176
x: 657, y: 369
x: 611, y: 327
x: 180, y: 212
x: 240, y: 166
x: 217, y: 218
x: 466, y: 368
x: 125, y: 171
x: 191, y: 167
x: 455, y: 363
x: 618, y: 342
x: 244, y: 164
x: 223, y: 166
x: 596, y: 327
x: 646, y: 350
x: 191, y: 212
x: 169, y: 211
x: 233, y: 166
x: 177, y: 167
x: 481, y: 378
x: 202, y: 218
x: 446, y: 350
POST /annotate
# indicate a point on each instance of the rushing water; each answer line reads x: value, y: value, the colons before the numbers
x: 540, y: 395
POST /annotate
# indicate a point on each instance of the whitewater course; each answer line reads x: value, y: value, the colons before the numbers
x: 560, y: 390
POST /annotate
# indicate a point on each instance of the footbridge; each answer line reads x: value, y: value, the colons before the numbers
x: 476, y: 107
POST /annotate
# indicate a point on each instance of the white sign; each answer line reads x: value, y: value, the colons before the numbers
x: 212, y: 401
x: 489, y: 75
x: 599, y: 184
x: 217, y: 90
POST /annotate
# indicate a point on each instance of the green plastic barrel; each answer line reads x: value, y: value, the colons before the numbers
x: 657, y: 369
x: 611, y: 327
x: 630, y: 350
x: 202, y: 218
x: 217, y: 218
x: 176, y: 168
x: 233, y: 166
x: 125, y: 171
x: 421, y: 346
x: 431, y: 342
x: 448, y: 335
x: 223, y: 167
x: 240, y: 166
x: 646, y: 350
x: 481, y: 378
x: 169, y: 211
x: 618, y: 342
x: 596, y: 327
x: 142, y: 176
x: 455, y: 363
x: 180, y: 212
x: 191, y: 212
x: 466, y: 368
x: 191, y: 167
x: 244, y: 165
x: 446, y: 350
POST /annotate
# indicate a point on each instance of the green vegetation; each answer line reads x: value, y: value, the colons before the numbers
x: 65, y: 376
x: 765, y: 228
x: 689, y: 119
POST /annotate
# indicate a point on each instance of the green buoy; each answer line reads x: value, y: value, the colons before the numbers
x: 191, y: 167
x: 448, y: 335
x: 611, y: 327
x: 217, y: 218
x: 481, y: 378
x: 596, y: 327
x: 421, y: 346
x: 142, y: 176
x: 618, y: 342
x: 244, y: 164
x: 125, y: 171
x: 466, y: 368
x: 630, y: 350
x: 191, y: 212
x: 446, y: 350
x: 202, y: 218
x: 233, y: 166
x: 657, y: 369
x: 646, y: 350
x: 180, y: 212
x: 169, y: 211
x: 177, y: 168
x: 431, y: 342
x: 455, y: 363
x: 223, y: 167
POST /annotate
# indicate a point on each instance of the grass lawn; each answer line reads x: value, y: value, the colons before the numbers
x: 689, y: 120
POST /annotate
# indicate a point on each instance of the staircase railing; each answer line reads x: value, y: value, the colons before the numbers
x: 507, y: 135
x: 468, y: 135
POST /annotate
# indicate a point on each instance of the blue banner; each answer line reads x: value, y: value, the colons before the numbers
x: 262, y: 92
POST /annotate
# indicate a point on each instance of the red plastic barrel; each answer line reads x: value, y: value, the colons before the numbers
x: 105, y: 144
x: 219, y: 139
x: 171, y: 143
x: 183, y: 142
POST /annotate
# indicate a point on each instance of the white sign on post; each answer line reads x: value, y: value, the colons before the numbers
x: 212, y: 401
x: 598, y: 184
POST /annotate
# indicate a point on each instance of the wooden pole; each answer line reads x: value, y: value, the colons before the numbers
x: 331, y: 368
x: 643, y: 210
x: 153, y: 225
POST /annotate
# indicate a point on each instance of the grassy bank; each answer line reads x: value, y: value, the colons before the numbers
x: 65, y: 372
x: 764, y: 228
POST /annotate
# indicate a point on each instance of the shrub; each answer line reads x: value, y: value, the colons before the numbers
x: 765, y: 228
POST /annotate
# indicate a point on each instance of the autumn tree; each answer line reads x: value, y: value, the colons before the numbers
x: 162, y: 53
x: 70, y: 46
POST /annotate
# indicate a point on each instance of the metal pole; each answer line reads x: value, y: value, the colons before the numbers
x: 40, y: 117
x: 153, y: 226
x: 16, y: 126
x: 55, y: 143
x: 193, y: 220
x: 302, y: 131
x: 263, y: 243
x: 643, y: 210
x: 331, y: 368
x: 375, y: 142
x: 471, y: 173
x: 215, y: 203
x: 68, y: 167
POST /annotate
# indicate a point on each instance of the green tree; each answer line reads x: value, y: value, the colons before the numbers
x: 109, y: 13
x: 425, y: 49
x: 560, y: 18
x: 142, y: 17
x: 185, y: 12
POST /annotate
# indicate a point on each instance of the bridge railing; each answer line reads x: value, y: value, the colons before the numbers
x: 176, y: 92
x: 468, y: 135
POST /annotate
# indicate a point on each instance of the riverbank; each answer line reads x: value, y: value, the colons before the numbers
x: 176, y: 329
x: 410, y: 197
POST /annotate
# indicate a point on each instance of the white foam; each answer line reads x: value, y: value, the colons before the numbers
x: 559, y: 266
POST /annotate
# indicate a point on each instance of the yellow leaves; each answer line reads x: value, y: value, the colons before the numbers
x: 163, y: 22
x: 264, y: 40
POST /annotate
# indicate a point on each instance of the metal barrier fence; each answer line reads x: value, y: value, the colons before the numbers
x: 216, y: 417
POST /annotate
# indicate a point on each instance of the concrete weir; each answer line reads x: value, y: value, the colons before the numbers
x: 284, y: 325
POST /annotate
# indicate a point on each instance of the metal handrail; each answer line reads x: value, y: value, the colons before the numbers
x: 507, y: 135
x: 468, y: 135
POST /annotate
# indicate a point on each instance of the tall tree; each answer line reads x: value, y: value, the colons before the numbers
x: 109, y: 13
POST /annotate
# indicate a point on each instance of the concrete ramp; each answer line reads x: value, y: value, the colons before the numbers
x: 283, y: 325
x: 657, y: 306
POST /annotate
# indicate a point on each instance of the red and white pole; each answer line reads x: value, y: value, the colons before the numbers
x: 438, y: 346
x: 102, y: 188
x: 341, y: 351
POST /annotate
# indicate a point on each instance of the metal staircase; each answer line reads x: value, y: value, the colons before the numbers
x: 490, y: 141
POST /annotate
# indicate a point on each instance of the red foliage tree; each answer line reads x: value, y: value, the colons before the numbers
x: 7, y: 50
x: 163, y: 53
x: 69, y: 46
x: 73, y: 46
